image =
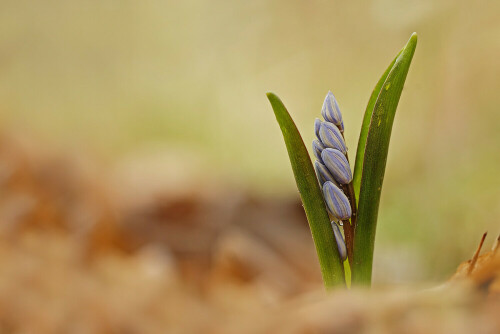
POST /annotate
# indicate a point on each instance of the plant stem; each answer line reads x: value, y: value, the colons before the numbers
x: 350, y: 226
x: 349, y: 238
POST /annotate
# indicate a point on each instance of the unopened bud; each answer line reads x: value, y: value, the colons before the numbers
x: 323, y: 173
x: 339, y: 238
x: 331, y: 111
x: 336, y: 201
x: 317, y: 149
x: 317, y: 125
x: 331, y: 137
x: 337, y: 164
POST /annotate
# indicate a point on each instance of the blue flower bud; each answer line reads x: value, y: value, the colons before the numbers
x: 331, y: 111
x: 336, y: 201
x: 323, y: 173
x: 317, y: 149
x: 317, y: 125
x: 339, y: 238
x: 331, y: 137
x: 337, y: 164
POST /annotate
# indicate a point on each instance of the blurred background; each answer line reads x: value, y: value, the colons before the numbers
x: 137, y: 143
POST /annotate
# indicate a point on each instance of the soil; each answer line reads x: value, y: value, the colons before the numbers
x: 83, y: 252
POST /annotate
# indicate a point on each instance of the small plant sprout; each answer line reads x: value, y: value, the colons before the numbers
x: 344, y: 197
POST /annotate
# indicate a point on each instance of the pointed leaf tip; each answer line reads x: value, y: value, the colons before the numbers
x: 412, y: 42
x: 271, y: 95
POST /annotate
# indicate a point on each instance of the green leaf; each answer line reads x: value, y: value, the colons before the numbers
x: 360, y: 152
x: 311, y: 195
x: 374, y: 162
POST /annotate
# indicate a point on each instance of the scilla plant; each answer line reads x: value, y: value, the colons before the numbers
x: 332, y: 195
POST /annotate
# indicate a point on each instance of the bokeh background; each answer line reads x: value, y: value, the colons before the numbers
x: 130, y: 103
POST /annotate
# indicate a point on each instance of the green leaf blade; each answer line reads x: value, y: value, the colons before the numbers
x: 374, y: 163
x: 360, y: 151
x: 311, y: 195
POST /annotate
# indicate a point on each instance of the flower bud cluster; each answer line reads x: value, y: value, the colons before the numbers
x: 332, y: 166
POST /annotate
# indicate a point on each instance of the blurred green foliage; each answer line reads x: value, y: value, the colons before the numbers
x: 113, y: 77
